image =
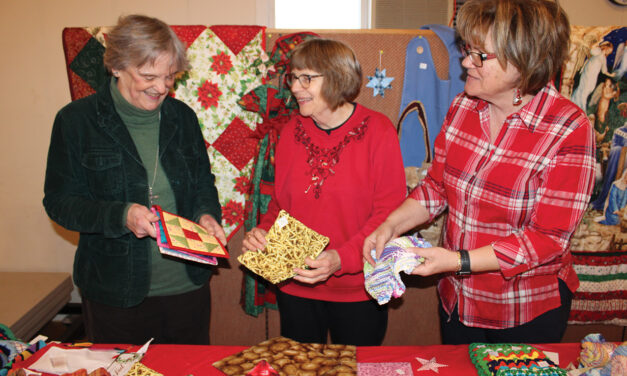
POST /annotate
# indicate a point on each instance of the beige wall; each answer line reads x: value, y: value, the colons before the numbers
x: 35, y: 86
x: 595, y: 12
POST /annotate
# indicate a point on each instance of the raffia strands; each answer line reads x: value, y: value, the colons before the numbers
x: 289, y: 244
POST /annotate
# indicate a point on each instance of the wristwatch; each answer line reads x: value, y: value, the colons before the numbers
x: 464, y: 263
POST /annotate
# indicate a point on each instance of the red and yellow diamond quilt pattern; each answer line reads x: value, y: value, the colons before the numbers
x: 222, y: 71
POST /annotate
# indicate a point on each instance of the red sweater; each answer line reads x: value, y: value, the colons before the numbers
x: 342, y: 185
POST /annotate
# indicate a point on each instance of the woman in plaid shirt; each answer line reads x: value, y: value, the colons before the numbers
x: 514, y: 166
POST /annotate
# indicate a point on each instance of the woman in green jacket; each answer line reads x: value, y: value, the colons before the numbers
x: 112, y: 156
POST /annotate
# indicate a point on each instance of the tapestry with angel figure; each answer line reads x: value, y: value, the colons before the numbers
x: 594, y: 79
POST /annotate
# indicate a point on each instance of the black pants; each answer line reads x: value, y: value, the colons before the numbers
x: 353, y: 323
x: 180, y: 319
x: 549, y: 327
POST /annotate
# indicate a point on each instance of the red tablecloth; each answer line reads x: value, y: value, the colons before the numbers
x: 443, y: 360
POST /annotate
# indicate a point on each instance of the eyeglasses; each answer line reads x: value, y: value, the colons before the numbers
x: 304, y: 79
x: 476, y: 58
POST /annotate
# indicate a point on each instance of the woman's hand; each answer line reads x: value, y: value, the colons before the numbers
x: 377, y: 240
x: 213, y: 227
x: 254, y: 240
x: 139, y: 219
x: 410, y: 214
x: 327, y: 263
x: 437, y: 260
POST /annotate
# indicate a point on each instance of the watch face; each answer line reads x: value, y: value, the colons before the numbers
x: 619, y: 2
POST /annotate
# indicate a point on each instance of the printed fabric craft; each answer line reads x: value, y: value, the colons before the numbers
x: 601, y: 358
x: 289, y: 243
x: 182, y: 238
x: 512, y: 359
x: 383, y: 281
x: 139, y: 369
x: 378, y: 369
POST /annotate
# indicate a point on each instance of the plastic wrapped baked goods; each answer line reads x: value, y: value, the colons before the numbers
x: 289, y: 242
x: 288, y: 357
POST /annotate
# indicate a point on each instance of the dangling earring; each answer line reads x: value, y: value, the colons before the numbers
x: 517, y: 98
x: 116, y: 73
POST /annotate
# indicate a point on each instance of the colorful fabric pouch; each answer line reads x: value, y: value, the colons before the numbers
x: 512, y: 359
x: 383, y: 281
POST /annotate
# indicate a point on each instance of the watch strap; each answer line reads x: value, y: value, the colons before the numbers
x: 464, y: 259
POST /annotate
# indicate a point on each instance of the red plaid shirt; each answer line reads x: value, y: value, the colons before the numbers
x: 524, y: 194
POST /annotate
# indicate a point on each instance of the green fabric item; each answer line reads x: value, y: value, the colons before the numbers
x: 167, y: 276
x: 275, y: 108
x: 6, y: 334
x: 255, y: 286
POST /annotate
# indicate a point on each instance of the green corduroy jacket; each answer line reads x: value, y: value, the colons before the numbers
x: 94, y: 171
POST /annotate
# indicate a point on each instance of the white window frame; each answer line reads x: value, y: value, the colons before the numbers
x: 265, y: 13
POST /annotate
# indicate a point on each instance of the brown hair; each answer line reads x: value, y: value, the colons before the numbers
x: 532, y: 35
x: 336, y: 62
x: 137, y: 40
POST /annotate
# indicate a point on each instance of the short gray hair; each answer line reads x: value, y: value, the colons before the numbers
x: 137, y: 40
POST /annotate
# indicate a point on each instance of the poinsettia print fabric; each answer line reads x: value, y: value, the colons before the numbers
x: 217, y: 80
x: 224, y: 67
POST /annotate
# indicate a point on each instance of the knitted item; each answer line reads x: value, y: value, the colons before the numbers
x: 6, y: 333
x: 600, y: 358
x: 12, y: 351
x: 512, y: 359
x: 10, y: 348
x: 602, y: 293
x: 383, y: 281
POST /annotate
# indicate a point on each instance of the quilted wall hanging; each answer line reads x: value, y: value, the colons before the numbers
x: 594, y: 79
x: 222, y: 69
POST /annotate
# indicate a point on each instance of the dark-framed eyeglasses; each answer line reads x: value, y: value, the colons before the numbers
x: 304, y: 79
x: 476, y: 57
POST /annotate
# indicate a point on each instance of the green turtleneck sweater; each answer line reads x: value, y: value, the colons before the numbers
x: 168, y: 276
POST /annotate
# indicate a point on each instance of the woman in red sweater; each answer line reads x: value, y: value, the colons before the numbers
x: 339, y: 171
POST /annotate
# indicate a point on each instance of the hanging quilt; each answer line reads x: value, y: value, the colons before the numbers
x: 222, y: 70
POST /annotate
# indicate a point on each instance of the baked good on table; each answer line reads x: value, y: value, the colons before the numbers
x: 293, y: 358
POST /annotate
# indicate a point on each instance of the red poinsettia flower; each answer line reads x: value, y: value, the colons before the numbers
x: 242, y: 184
x: 221, y: 63
x: 233, y: 213
x: 209, y: 94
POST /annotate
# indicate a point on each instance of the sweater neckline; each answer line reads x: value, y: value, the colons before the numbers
x: 130, y: 114
x: 329, y: 130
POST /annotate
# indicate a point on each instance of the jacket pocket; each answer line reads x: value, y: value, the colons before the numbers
x: 103, y: 266
x: 105, y: 175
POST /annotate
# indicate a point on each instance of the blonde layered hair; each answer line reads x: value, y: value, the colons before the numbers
x: 137, y: 40
x: 336, y: 62
x: 532, y: 35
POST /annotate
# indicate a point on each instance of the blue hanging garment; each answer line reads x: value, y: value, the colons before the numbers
x: 427, y: 95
